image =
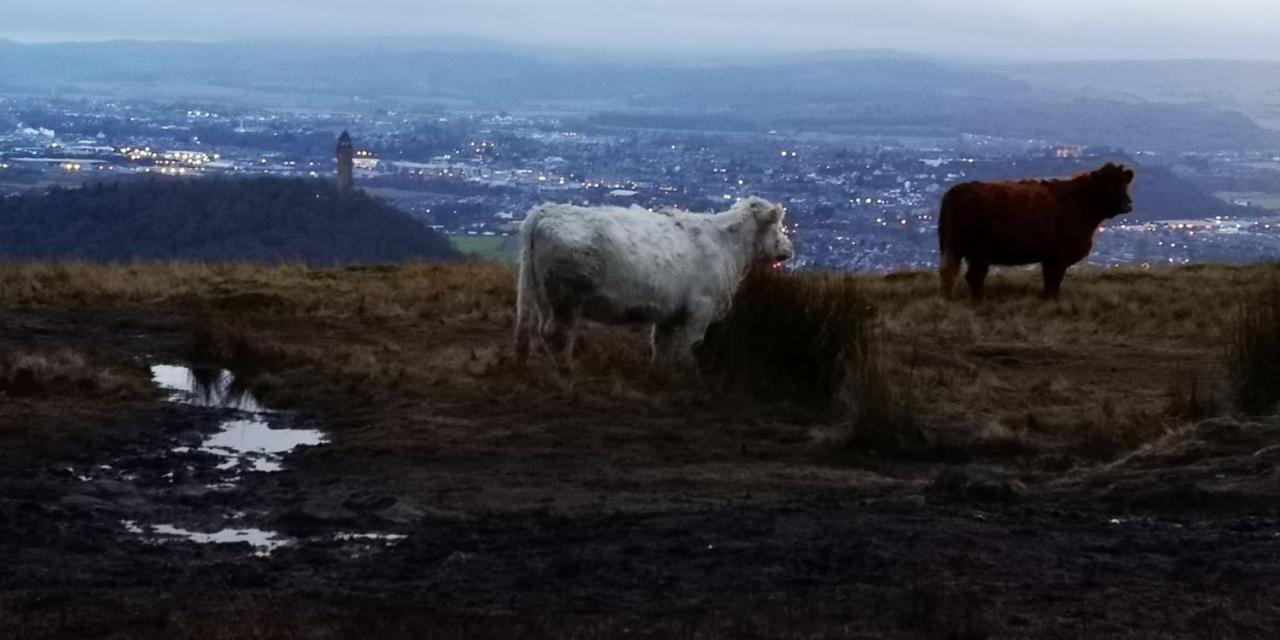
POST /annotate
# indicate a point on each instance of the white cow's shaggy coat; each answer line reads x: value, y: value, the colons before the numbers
x: 677, y: 271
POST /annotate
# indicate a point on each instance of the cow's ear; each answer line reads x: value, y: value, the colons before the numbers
x: 1128, y: 176
x: 764, y: 212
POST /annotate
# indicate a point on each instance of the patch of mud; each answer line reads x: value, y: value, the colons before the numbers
x: 194, y: 489
x: 971, y: 483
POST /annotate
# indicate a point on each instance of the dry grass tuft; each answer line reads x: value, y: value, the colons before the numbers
x: 1190, y: 400
x: 791, y: 337
x: 810, y: 339
x: 884, y: 413
x: 1253, y: 352
x: 65, y: 373
x: 226, y: 341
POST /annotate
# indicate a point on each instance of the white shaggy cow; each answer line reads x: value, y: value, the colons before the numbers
x: 677, y: 271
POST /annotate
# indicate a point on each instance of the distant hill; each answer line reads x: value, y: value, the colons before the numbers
x: 267, y: 220
x: 868, y: 93
x: 1158, y: 193
x: 1246, y: 86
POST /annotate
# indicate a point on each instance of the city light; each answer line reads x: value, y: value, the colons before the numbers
x: 859, y: 204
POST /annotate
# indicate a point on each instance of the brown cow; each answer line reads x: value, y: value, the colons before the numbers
x: 1015, y: 223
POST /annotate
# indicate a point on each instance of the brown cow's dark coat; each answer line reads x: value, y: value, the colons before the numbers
x: 1051, y: 222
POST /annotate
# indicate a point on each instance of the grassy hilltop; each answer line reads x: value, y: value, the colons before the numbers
x: 262, y: 220
x: 1048, y: 417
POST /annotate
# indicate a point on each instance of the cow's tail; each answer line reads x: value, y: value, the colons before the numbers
x: 949, y: 260
x: 528, y: 293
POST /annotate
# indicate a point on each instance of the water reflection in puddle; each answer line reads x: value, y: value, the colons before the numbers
x: 205, y: 387
x: 245, y: 442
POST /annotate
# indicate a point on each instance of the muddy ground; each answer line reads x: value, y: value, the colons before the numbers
x: 623, y: 505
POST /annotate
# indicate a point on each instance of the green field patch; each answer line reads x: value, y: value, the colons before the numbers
x: 488, y: 248
x: 1255, y: 198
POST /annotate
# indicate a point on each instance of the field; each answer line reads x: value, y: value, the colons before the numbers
x: 1059, y: 469
x: 490, y: 248
x: 1265, y: 200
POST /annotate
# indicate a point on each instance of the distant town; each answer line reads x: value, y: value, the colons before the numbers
x: 856, y: 203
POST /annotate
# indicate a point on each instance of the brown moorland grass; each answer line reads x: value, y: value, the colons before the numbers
x: 66, y: 372
x: 373, y: 292
x: 1088, y: 377
x: 55, y: 401
x: 1169, y: 306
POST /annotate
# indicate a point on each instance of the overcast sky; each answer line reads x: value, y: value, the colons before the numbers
x: 1009, y: 29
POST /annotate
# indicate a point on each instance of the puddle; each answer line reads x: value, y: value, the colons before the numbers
x: 245, y: 441
x: 388, y: 538
x: 358, y: 545
x: 248, y: 442
x: 263, y: 542
x: 255, y: 443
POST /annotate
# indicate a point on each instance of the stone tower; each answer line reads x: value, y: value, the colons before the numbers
x: 345, y: 161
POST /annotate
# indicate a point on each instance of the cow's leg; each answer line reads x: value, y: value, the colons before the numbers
x: 664, y: 335
x: 526, y: 313
x: 949, y: 270
x: 526, y: 324
x: 976, y: 276
x: 530, y: 320
x: 1053, y: 274
x: 522, y: 344
x: 558, y: 334
x: 699, y: 316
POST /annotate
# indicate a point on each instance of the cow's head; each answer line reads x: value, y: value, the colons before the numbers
x: 1111, y: 189
x: 771, y: 242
